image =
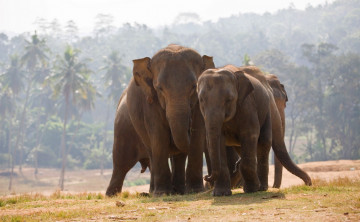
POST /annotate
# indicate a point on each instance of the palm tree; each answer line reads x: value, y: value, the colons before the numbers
x: 116, y: 76
x: 33, y: 58
x: 13, y: 83
x: 83, y: 104
x: 72, y: 81
x: 42, y: 101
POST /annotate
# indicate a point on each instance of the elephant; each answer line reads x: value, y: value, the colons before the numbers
x: 239, y: 110
x: 128, y: 148
x: 280, y: 96
x: 162, y: 106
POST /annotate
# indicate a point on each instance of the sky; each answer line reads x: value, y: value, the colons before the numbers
x: 18, y: 16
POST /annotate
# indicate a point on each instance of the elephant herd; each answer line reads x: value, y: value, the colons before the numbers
x: 179, y: 106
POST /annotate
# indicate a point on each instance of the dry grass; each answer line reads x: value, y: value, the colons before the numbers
x: 334, y: 200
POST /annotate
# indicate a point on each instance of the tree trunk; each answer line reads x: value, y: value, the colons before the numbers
x: 10, y: 153
x: 39, y: 139
x: 104, y: 142
x: 63, y: 146
x: 20, y: 136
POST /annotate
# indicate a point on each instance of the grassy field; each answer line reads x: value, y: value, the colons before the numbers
x: 335, y: 200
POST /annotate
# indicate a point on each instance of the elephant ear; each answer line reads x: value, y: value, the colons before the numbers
x: 208, y: 62
x: 244, y: 86
x: 144, y: 78
x: 284, y: 91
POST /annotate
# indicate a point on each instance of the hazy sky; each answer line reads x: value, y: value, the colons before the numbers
x: 19, y: 15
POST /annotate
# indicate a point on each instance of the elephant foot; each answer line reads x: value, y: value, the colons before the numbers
x: 263, y: 188
x: 222, y: 192
x: 236, y: 180
x: 159, y: 193
x: 276, y: 185
x: 112, y: 192
x: 178, y: 190
x: 197, y: 189
x: 251, y: 188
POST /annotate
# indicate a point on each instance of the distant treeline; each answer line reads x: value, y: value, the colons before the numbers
x: 59, y: 90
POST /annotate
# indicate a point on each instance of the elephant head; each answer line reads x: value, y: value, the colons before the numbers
x: 169, y: 78
x: 220, y: 91
x: 280, y: 96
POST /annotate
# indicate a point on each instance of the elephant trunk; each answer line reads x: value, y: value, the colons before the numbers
x: 179, y: 118
x: 213, y: 138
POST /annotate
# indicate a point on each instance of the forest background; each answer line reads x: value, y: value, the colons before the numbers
x: 59, y: 89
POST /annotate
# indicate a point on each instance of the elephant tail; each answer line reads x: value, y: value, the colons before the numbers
x: 283, y: 156
x: 280, y: 150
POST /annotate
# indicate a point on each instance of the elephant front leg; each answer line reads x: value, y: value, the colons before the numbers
x: 248, y: 166
x: 178, y: 173
x: 222, y: 186
x: 160, y: 170
x: 194, y: 169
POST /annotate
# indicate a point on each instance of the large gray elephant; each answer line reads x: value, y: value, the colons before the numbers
x: 161, y: 103
x: 239, y: 110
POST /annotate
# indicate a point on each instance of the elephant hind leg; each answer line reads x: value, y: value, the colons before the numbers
x: 117, y: 179
x: 122, y: 162
x: 278, y: 172
x: 263, y: 149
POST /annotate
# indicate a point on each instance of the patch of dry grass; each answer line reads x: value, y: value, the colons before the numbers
x: 333, y: 200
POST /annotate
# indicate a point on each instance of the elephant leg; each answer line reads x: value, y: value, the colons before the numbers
x: 151, y: 189
x: 248, y: 166
x: 178, y: 173
x: 222, y: 186
x: 121, y: 166
x: 278, y: 172
x: 208, y: 185
x: 194, y: 169
x: 160, y: 171
x: 263, y: 149
x: 235, y: 174
x: 263, y: 165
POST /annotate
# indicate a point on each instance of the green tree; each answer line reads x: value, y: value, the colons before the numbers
x: 247, y: 60
x: 34, y: 58
x: 71, y: 79
x: 13, y: 80
x: 342, y: 107
x: 321, y: 59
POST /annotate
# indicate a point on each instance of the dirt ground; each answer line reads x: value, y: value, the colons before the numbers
x: 321, y: 170
x: 92, y: 181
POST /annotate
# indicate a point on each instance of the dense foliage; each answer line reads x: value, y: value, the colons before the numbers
x: 59, y: 90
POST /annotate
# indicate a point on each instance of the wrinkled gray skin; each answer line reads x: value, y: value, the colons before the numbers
x: 161, y: 102
x: 240, y: 111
